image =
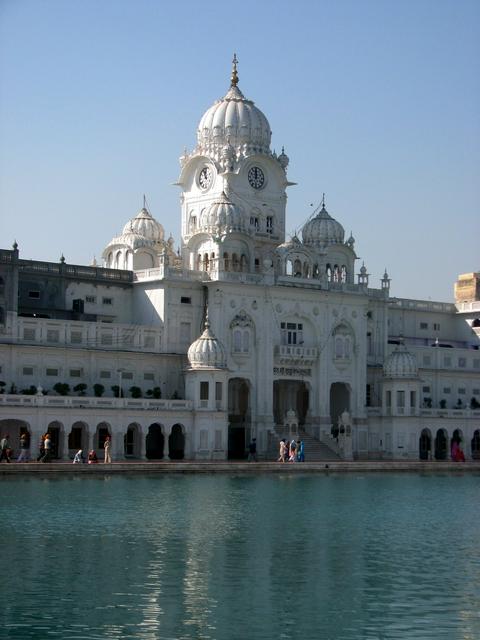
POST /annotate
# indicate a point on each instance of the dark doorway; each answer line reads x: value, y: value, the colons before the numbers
x: 176, y: 443
x: 476, y: 445
x: 238, y: 418
x: 425, y: 445
x: 154, y: 443
x: 441, y: 445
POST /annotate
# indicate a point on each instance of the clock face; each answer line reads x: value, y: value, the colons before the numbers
x: 256, y: 177
x: 205, y: 178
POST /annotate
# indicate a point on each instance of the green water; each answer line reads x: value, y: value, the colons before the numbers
x: 342, y: 557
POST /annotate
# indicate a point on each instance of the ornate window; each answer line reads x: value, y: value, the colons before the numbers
x: 242, y: 333
x: 291, y: 333
x: 343, y: 343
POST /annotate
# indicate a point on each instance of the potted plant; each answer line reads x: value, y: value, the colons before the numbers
x: 80, y: 389
x: 98, y: 390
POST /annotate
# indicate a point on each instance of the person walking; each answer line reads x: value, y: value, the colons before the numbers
x: 47, y: 446
x: 5, y: 448
x: 293, y: 449
x: 78, y: 459
x: 283, y: 451
x: 107, y: 445
x: 301, y: 452
x: 252, y: 450
x: 24, y: 447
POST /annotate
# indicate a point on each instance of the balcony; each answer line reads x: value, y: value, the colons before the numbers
x: 79, y: 402
x: 294, y: 354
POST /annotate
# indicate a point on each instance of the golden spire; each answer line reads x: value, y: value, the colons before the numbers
x: 234, y: 76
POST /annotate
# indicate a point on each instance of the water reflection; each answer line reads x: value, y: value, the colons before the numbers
x: 209, y: 558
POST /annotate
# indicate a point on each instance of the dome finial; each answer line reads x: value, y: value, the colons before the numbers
x: 323, y: 201
x: 234, y: 76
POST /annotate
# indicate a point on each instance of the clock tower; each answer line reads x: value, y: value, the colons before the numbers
x: 233, y: 189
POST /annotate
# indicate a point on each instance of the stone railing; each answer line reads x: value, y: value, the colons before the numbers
x: 289, y: 353
x: 87, y: 402
x: 434, y: 413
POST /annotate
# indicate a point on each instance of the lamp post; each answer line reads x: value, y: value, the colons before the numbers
x: 120, y: 371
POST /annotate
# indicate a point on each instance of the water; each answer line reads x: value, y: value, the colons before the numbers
x: 344, y: 557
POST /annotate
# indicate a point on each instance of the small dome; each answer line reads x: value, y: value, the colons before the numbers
x: 322, y: 230
x: 222, y: 213
x: 207, y: 352
x: 144, y: 224
x: 400, y: 364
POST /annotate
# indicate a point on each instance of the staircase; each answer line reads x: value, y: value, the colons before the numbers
x: 315, y: 451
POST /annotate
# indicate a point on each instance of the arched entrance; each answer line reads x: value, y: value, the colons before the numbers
x: 290, y: 395
x: 14, y: 429
x: 176, y: 443
x: 476, y: 445
x: 154, y: 442
x: 238, y: 417
x: 425, y: 444
x: 441, y: 445
x: 339, y: 402
x: 131, y: 441
x: 78, y: 439
x: 103, y: 430
x: 55, y: 430
x: 456, y: 445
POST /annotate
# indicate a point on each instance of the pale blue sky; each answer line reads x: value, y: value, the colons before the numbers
x: 376, y: 102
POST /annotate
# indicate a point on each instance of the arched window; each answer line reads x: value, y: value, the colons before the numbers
x: 297, y: 268
x: 306, y: 270
x: 242, y: 328
x: 237, y: 341
x: 193, y: 223
x: 343, y: 343
x: 243, y: 263
x: 289, y: 268
x: 205, y: 262
x: 316, y: 271
x: 199, y: 262
x: 235, y: 262
x: 226, y: 262
x: 343, y: 274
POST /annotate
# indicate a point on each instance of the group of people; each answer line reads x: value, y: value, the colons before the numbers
x: 92, y: 457
x: 291, y: 451
x: 45, y: 450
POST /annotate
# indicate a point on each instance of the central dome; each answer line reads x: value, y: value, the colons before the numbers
x: 234, y: 121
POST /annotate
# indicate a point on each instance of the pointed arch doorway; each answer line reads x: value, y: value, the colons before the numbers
x: 239, y: 426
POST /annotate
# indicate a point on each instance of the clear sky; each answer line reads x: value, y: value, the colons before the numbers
x: 376, y: 102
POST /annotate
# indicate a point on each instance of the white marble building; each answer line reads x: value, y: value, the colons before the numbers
x: 240, y: 333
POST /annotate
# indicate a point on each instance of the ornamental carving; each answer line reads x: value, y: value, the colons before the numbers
x: 242, y: 319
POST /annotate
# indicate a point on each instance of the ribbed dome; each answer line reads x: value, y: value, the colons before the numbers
x: 207, y: 352
x: 222, y: 213
x: 322, y: 230
x: 144, y: 224
x: 131, y: 239
x: 234, y: 121
x: 400, y: 364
